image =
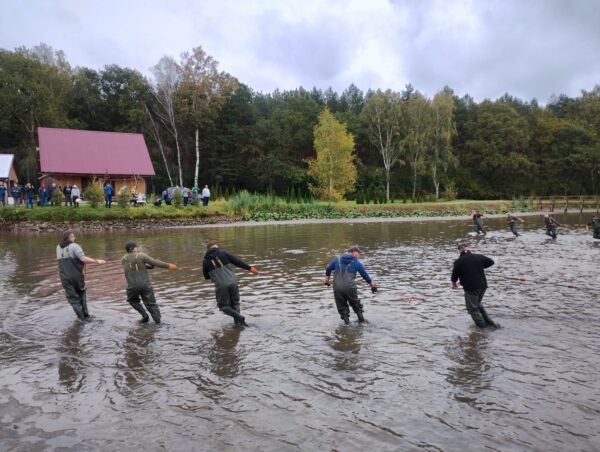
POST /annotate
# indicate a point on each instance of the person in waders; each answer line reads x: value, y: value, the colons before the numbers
x: 136, y: 266
x: 512, y: 223
x: 595, y: 225
x: 216, y: 268
x: 345, y: 291
x: 469, y: 268
x: 550, y: 223
x: 478, y: 221
x: 71, y: 267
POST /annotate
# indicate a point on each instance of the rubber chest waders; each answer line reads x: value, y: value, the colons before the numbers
x: 346, y: 292
x: 71, y: 276
x: 139, y: 285
x: 226, y: 289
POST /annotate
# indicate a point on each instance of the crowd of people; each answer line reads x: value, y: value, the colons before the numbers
x: 190, y: 196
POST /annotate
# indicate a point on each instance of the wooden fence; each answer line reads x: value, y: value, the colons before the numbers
x: 567, y: 202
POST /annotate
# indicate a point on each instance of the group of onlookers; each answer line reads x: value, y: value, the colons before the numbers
x: 189, y: 195
x: 71, y: 195
x: 46, y: 194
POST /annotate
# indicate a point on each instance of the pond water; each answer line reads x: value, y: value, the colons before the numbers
x: 418, y: 375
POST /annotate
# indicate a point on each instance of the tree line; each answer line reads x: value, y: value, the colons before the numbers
x: 204, y: 126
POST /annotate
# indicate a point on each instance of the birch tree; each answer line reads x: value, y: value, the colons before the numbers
x: 167, y: 74
x: 334, y: 168
x: 443, y: 130
x: 203, y: 92
x: 383, y: 115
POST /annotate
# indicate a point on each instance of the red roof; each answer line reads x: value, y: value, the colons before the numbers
x: 67, y: 151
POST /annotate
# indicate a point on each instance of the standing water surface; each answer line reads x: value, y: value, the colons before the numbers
x: 417, y: 376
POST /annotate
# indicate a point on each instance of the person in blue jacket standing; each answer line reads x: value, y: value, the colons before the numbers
x: 108, y: 194
x: 345, y: 292
x: 2, y: 193
x: 29, y: 194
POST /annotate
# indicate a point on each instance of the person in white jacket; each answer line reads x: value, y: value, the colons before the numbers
x: 205, y: 196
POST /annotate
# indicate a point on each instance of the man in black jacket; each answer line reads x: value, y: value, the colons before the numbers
x: 216, y: 268
x: 469, y: 268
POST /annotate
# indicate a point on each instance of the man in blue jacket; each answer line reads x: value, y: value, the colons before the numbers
x: 108, y: 194
x: 345, y: 292
x: 469, y: 268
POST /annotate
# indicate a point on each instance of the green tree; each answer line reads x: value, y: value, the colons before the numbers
x: 383, y: 116
x: 443, y: 131
x: 334, y: 168
x: 31, y: 95
x: 419, y: 133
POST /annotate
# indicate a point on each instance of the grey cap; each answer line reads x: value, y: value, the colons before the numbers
x: 462, y: 246
x: 354, y: 248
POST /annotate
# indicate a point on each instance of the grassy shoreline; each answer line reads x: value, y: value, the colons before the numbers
x: 223, y: 211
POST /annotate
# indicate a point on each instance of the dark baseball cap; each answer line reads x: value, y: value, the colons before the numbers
x: 130, y: 246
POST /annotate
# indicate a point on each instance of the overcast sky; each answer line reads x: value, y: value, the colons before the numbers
x: 528, y: 48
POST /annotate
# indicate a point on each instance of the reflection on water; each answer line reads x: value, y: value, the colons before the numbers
x: 223, y: 354
x: 471, y: 370
x: 71, y: 366
x: 417, y: 376
x: 346, y: 340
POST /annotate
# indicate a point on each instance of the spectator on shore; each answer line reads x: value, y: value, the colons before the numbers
x: 43, y: 195
x: 15, y: 192
x: 2, y: 193
x: 67, y: 194
x: 51, y: 190
x: 75, y: 194
x: 205, y: 196
x: 29, y: 195
x: 108, y: 194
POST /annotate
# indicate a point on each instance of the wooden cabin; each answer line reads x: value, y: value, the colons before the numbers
x: 80, y: 156
x: 8, y: 175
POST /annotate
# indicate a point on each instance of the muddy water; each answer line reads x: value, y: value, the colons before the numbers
x: 417, y: 376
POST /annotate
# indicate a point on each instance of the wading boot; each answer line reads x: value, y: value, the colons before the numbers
x: 361, y: 319
x: 145, y: 319
x: 346, y: 320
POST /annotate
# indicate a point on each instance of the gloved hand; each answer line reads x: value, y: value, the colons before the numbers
x: 373, y: 287
x: 327, y: 282
x: 172, y: 267
x: 253, y: 270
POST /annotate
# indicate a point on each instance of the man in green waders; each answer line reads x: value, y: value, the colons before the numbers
x: 216, y: 268
x: 135, y: 266
x: 71, y: 267
x: 344, y: 283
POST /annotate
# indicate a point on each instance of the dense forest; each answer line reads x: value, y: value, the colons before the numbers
x: 203, y: 126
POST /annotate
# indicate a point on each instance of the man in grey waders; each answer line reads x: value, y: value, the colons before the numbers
x: 344, y: 283
x: 135, y: 266
x: 216, y: 268
x: 71, y: 265
x: 469, y: 267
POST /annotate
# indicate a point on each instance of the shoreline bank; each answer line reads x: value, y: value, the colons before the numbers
x: 221, y: 221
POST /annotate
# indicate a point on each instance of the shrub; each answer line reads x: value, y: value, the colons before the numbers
x: 177, y: 199
x: 124, y: 194
x: 450, y: 192
x: 93, y: 193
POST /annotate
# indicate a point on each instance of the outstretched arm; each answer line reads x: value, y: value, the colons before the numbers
x: 237, y: 262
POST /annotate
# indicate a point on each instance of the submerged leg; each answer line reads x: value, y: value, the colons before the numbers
x: 133, y: 298
x: 472, y: 304
x: 150, y: 304
x: 341, y: 303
